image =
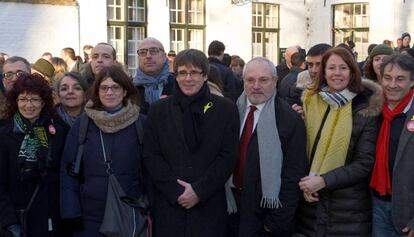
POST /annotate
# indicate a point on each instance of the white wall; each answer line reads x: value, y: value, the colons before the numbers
x: 159, y: 21
x: 29, y: 30
x: 320, y: 23
x: 293, y: 26
x: 93, y: 28
x: 231, y: 25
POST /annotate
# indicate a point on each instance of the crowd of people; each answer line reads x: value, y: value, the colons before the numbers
x: 318, y: 145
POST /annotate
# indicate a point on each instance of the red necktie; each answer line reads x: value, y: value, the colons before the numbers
x: 244, y: 143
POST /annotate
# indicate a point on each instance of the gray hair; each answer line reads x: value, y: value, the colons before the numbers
x: 18, y: 59
x: 264, y: 61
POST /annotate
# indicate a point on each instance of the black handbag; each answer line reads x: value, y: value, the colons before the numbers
x: 124, y: 216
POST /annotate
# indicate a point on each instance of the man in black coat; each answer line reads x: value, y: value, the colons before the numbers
x: 190, y: 145
x: 265, y: 181
x: 215, y: 57
x: 153, y: 78
x: 284, y: 67
x: 285, y: 88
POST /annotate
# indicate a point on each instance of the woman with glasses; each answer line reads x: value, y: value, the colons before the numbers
x: 112, y: 135
x: 31, y: 144
x: 191, y: 140
x: 71, y: 90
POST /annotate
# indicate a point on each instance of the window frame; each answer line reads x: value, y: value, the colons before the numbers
x: 186, y: 26
x: 352, y: 30
x: 126, y: 24
x: 264, y: 29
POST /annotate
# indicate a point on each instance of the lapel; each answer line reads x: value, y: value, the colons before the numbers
x: 406, y: 135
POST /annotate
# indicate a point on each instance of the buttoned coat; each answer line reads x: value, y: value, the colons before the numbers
x: 168, y: 158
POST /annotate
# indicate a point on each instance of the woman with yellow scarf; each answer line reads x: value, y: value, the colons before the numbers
x: 339, y: 112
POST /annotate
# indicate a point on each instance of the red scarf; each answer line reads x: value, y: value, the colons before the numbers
x: 380, y: 180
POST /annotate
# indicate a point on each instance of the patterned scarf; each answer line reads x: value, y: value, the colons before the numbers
x: 380, y: 180
x: 336, y: 99
x: 33, y: 150
x: 153, y: 84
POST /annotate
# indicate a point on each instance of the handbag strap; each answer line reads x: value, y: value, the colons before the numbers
x: 107, y: 160
x: 29, y: 205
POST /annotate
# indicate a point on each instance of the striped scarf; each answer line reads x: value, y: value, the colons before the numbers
x: 336, y: 99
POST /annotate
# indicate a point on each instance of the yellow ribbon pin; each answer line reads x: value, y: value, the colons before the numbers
x: 412, y: 119
x: 208, y: 106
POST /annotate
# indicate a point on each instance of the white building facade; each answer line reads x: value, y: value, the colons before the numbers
x: 248, y: 28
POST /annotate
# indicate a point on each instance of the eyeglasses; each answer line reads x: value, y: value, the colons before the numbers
x: 9, y: 75
x: 34, y: 101
x: 192, y: 74
x: 114, y: 88
x: 153, y: 51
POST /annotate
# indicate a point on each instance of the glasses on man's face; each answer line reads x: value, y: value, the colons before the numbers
x: 114, y: 88
x: 9, y: 75
x: 153, y: 51
x: 36, y: 101
x: 192, y: 74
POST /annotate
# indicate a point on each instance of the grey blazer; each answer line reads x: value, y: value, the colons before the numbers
x: 403, y: 178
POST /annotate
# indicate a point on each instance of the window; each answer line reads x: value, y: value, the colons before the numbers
x: 187, y: 26
x: 351, y: 22
x: 126, y: 28
x: 265, y: 30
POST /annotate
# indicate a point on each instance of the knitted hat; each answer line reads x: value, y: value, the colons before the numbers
x: 405, y: 34
x: 45, y: 67
x: 381, y: 49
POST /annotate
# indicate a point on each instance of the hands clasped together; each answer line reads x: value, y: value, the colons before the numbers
x: 310, y: 185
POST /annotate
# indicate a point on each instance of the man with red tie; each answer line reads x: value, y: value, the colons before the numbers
x: 272, y: 158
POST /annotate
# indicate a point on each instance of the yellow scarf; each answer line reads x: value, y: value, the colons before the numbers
x: 333, y: 144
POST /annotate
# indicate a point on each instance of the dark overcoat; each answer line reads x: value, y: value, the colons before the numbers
x: 279, y: 221
x: 168, y: 158
x: 15, y: 195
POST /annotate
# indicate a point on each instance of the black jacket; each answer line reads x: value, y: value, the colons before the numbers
x: 344, y: 208
x: 287, y: 86
x: 168, y: 158
x: 15, y: 195
x: 280, y: 221
x: 231, y: 86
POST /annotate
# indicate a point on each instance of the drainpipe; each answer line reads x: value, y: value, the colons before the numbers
x: 80, y: 52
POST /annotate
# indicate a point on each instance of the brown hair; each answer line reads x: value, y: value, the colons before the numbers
x: 119, y: 76
x: 30, y: 83
x: 355, y: 84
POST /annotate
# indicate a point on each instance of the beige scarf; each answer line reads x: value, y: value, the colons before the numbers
x: 333, y: 144
x: 111, y: 123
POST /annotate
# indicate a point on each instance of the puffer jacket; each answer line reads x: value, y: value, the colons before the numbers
x: 344, y: 207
